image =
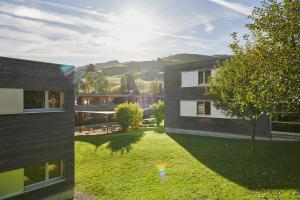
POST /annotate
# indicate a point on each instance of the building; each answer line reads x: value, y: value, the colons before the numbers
x: 36, y: 130
x: 189, y: 111
x: 108, y: 102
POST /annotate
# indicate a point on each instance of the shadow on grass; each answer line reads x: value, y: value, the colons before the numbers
x: 276, y: 165
x: 117, y: 142
x: 159, y: 129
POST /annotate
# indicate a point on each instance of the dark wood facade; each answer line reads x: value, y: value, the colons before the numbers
x: 31, y: 138
x: 174, y: 93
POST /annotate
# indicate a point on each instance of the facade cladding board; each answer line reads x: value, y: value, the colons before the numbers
x: 32, y: 138
x: 174, y: 93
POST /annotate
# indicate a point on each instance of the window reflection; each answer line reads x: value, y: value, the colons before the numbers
x: 34, y: 174
x: 34, y: 99
x: 54, y: 99
x: 54, y: 169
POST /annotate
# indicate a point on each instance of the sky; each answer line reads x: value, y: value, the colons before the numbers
x: 93, y: 31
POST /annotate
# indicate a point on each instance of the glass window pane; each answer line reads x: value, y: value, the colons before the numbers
x: 54, y: 99
x: 207, y: 74
x: 34, y: 174
x: 54, y: 169
x: 200, y: 108
x: 200, y: 77
x: 207, y: 108
x: 34, y: 99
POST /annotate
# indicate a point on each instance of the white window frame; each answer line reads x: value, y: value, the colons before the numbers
x: 47, y: 181
x: 46, y: 108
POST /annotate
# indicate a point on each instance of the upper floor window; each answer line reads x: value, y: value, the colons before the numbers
x: 39, y: 99
x: 195, y: 78
x: 203, y: 76
x: 54, y: 100
x: 34, y: 99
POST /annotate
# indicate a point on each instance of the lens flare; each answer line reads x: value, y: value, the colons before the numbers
x: 161, y: 169
x: 66, y: 70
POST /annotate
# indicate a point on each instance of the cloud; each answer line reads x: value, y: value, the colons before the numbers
x: 77, y: 9
x: 234, y: 6
x: 46, y: 31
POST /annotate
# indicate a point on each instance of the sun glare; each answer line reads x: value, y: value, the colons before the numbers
x: 133, y: 29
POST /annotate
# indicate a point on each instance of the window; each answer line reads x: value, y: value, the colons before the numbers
x: 40, y: 174
x: 34, y: 174
x: 21, y: 180
x: 34, y: 99
x: 203, y: 108
x: 54, y: 99
x: 42, y: 100
x: 54, y: 169
x: 203, y: 76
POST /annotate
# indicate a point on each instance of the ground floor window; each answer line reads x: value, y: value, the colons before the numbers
x: 203, y: 107
x: 34, y: 174
x: 39, y: 175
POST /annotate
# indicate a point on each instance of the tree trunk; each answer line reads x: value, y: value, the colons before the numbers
x: 253, y: 136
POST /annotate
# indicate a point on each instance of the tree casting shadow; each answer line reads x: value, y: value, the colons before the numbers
x: 276, y: 165
x: 119, y: 142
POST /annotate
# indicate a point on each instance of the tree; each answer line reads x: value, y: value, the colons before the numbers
x: 77, y: 86
x: 235, y: 89
x: 123, y: 85
x: 89, y: 83
x: 128, y: 83
x: 275, y: 33
x: 157, y: 111
x: 154, y: 87
x: 91, y: 68
x: 102, y: 84
x: 263, y: 74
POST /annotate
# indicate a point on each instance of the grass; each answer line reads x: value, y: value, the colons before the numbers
x: 122, y: 166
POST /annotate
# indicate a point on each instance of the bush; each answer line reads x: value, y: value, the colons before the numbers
x: 157, y: 111
x: 128, y: 114
x: 138, y: 116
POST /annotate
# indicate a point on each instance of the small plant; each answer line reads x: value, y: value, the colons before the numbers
x: 128, y: 114
x: 157, y: 111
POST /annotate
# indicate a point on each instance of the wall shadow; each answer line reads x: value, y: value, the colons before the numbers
x: 117, y: 142
x: 275, y: 165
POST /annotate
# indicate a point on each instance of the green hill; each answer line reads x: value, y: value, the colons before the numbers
x: 147, y: 70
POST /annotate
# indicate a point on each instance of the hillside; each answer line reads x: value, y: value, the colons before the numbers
x: 148, y: 71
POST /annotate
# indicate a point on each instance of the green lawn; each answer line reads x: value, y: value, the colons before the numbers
x: 122, y: 166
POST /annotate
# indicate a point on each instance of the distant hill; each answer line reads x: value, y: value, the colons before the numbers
x: 148, y: 70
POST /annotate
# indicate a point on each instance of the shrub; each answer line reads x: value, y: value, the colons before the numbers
x: 128, y: 114
x: 157, y: 111
x: 138, y: 116
x: 125, y: 115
